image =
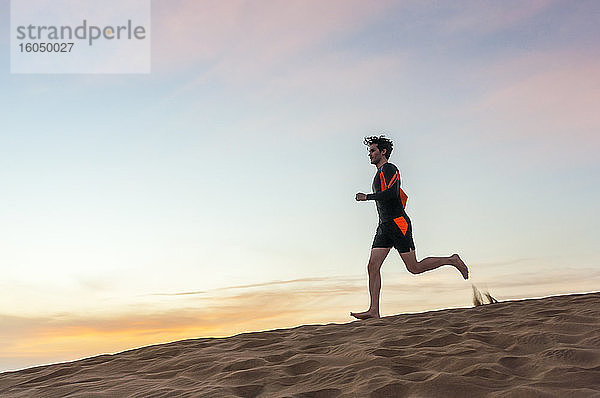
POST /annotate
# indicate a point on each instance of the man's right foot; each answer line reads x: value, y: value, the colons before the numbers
x: 365, y: 315
x: 460, y: 265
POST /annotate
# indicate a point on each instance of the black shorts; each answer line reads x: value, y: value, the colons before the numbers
x: 396, y: 233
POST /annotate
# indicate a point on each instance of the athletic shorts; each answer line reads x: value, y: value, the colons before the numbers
x: 396, y: 233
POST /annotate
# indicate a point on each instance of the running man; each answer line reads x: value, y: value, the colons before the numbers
x: 394, y: 229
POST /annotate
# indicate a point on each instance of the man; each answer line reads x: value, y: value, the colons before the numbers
x: 394, y: 229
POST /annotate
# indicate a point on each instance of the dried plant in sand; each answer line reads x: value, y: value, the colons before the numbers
x: 478, y: 298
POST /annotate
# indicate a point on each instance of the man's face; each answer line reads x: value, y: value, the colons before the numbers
x: 374, y: 154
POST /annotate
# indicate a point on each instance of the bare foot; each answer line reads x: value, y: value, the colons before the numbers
x: 460, y: 265
x: 365, y: 315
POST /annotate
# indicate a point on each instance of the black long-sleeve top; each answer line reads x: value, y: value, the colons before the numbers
x: 389, y: 197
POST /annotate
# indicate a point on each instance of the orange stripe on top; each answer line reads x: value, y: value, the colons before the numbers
x: 382, y: 179
x: 403, y: 198
x: 395, y: 178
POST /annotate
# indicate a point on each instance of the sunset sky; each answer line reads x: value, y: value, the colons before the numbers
x: 215, y: 195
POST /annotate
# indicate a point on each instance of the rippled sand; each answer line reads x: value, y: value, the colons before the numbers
x: 546, y: 347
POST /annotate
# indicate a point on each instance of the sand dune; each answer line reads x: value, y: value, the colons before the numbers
x: 546, y: 347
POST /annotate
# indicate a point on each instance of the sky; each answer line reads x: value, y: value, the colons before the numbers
x: 215, y: 194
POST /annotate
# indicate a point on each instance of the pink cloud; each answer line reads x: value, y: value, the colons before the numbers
x: 549, y: 96
x: 240, y: 37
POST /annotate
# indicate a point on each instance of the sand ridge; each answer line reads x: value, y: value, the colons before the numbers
x: 546, y: 347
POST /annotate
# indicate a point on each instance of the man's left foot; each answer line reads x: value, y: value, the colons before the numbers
x: 365, y: 315
x: 461, y: 266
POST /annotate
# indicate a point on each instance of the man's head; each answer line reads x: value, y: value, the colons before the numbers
x: 378, y: 147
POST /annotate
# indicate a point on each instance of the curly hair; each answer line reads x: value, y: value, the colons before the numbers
x: 382, y: 143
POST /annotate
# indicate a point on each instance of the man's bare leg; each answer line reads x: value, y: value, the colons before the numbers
x: 427, y: 264
x: 373, y: 268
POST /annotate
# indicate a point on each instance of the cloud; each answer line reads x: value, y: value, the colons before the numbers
x: 68, y: 336
x: 238, y: 37
x: 539, y: 108
x: 555, y: 92
x: 262, y: 47
x: 265, y: 284
x: 340, y: 74
x: 480, y: 18
x: 222, y: 312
